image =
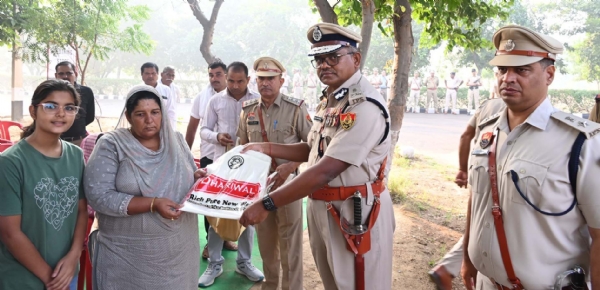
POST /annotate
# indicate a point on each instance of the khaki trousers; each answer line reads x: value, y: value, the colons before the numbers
x: 335, y: 263
x: 473, y: 97
x: 280, y: 243
x: 432, y: 97
x: 414, y: 99
x: 452, y: 261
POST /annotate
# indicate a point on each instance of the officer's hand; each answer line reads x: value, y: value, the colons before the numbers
x: 283, y: 172
x: 224, y: 139
x: 258, y: 147
x: 468, y: 272
x: 254, y: 214
x: 200, y: 173
x: 461, y: 179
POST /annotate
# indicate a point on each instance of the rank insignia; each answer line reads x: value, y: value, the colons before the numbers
x: 347, y: 120
x: 486, y: 140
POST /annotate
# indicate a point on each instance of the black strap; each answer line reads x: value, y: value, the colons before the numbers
x: 573, y: 167
x: 574, y: 161
x: 384, y: 113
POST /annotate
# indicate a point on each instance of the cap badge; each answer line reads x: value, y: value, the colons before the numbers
x: 317, y: 34
x: 266, y: 65
x: 510, y: 45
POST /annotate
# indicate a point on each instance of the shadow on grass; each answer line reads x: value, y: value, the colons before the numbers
x: 425, y: 187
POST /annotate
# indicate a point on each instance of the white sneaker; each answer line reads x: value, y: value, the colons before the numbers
x: 210, y: 274
x: 252, y: 273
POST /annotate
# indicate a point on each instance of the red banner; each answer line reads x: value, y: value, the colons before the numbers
x: 213, y: 184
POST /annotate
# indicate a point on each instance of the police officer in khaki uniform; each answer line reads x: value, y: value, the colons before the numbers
x: 277, y: 118
x: 473, y: 84
x: 449, y: 266
x: 346, y: 153
x: 432, y: 83
x: 532, y: 213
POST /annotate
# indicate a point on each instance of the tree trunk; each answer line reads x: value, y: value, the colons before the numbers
x: 326, y: 11
x: 208, y: 26
x: 368, y: 17
x: 403, y: 47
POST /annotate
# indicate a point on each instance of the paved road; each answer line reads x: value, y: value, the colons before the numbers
x: 434, y: 135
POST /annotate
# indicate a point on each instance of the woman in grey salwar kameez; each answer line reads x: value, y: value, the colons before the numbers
x: 140, y: 246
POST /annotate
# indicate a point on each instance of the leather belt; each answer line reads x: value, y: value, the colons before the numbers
x: 497, y: 213
x: 502, y: 287
x: 357, y: 244
x: 342, y: 193
x: 263, y: 132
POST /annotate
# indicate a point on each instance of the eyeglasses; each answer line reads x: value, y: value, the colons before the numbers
x: 68, y: 74
x: 51, y: 108
x: 331, y: 60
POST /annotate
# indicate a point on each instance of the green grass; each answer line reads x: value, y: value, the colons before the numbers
x: 426, y: 187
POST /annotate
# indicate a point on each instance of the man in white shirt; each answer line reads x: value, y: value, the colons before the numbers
x: 217, y: 81
x: 298, y: 84
x: 473, y: 96
x: 219, y: 127
x: 415, y: 92
x: 452, y: 85
x: 217, y: 78
x: 150, y: 77
x: 167, y: 78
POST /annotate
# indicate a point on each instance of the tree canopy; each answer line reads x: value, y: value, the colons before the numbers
x: 91, y: 28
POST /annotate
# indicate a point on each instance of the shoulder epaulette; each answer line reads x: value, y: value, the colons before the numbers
x: 294, y: 101
x: 587, y: 127
x: 250, y: 102
x: 483, y: 104
x: 356, y: 95
x: 489, y: 120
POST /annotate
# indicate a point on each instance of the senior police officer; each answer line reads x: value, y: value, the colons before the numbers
x: 346, y: 153
x: 527, y: 175
x: 277, y: 118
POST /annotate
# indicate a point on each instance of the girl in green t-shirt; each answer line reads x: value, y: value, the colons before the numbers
x: 43, y: 214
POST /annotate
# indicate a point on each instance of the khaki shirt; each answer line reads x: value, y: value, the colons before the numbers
x: 286, y: 121
x: 359, y: 145
x: 433, y: 82
x: 488, y: 109
x: 541, y: 246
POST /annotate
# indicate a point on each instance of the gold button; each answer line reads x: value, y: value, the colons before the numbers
x: 487, y: 225
x: 485, y: 254
x: 522, y: 171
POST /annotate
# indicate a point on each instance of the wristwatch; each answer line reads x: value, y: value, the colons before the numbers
x: 268, y: 203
